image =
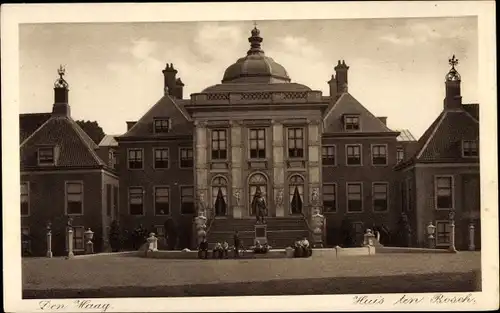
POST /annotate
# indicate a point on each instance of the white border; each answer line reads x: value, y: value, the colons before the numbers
x: 12, y: 15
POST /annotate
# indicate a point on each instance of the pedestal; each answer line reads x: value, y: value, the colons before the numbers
x: 452, y: 237
x: 237, y: 211
x: 49, y: 244
x: 472, y: 246
x: 89, y: 247
x: 431, y: 242
x: 261, y: 233
x: 70, y: 243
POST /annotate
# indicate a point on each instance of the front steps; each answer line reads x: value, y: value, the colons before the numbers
x: 281, y: 231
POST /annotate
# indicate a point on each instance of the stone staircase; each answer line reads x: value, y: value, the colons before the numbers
x: 281, y: 231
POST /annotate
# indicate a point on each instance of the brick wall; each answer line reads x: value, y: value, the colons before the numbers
x: 367, y: 174
x: 47, y: 203
x: 148, y: 177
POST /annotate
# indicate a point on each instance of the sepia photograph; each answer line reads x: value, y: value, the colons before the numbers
x: 221, y: 158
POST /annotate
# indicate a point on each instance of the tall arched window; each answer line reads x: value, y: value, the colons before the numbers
x: 219, y: 195
x: 257, y: 182
x: 296, y: 192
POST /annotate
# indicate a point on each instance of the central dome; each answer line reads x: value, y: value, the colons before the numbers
x: 255, y: 67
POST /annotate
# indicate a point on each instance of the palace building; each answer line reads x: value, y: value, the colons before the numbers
x: 259, y: 131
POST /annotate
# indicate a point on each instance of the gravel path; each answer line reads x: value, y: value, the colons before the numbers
x: 115, y: 271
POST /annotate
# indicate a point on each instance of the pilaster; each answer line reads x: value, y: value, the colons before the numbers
x: 278, y: 167
x: 237, y: 151
x: 201, y: 162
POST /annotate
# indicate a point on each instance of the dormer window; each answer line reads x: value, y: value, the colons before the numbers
x: 351, y: 122
x: 46, y: 156
x: 162, y: 126
x: 470, y: 149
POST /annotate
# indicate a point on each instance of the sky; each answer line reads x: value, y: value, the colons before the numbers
x: 397, y: 66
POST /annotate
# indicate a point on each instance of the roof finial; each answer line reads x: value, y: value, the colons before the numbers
x: 255, y: 41
x: 453, y: 61
x: 61, y: 71
x: 61, y: 82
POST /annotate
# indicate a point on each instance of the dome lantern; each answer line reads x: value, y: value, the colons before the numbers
x: 255, y: 67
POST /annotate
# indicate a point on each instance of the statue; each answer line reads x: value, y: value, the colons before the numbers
x: 279, y: 198
x: 201, y: 203
x: 315, y: 196
x: 237, y: 197
x: 259, y: 207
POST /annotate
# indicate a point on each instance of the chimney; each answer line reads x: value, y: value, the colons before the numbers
x: 341, y: 77
x: 179, y: 88
x: 130, y: 124
x: 333, y: 87
x: 61, y: 90
x: 383, y: 119
x: 169, y: 85
x: 453, y: 99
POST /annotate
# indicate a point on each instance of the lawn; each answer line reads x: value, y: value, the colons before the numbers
x: 126, y: 276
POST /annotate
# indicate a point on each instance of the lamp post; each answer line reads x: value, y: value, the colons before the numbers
x: 430, y: 238
x: 89, y: 245
x: 452, y: 231
x: 49, y: 239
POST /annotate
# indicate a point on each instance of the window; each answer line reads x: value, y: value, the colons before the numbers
x: 257, y: 182
x: 74, y: 198
x: 162, y: 200
x: 444, y: 192
x: 328, y: 155
x: 219, y: 195
x: 219, y: 144
x: 46, y: 156
x: 159, y: 230
x: 136, y: 200
x: 470, y: 148
x: 443, y: 231
x: 257, y: 143
x: 186, y: 158
x: 354, y: 197
x: 161, y: 157
x: 78, y: 238
x: 295, y: 142
x: 379, y: 154
x: 296, y: 193
x: 351, y: 122
x: 329, y: 197
x: 187, y: 200
x: 25, y: 199
x: 162, y: 126
x: 380, y: 196
x: 135, y: 158
x: 400, y: 154
x: 353, y: 153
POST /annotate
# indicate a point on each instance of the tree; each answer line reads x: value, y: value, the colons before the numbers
x: 92, y: 129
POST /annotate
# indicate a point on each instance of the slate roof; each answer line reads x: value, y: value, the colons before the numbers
x: 347, y: 104
x: 30, y: 122
x: 166, y: 107
x: 442, y: 141
x: 75, y: 149
x: 405, y: 135
x: 472, y: 109
x: 246, y: 87
x: 109, y: 141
